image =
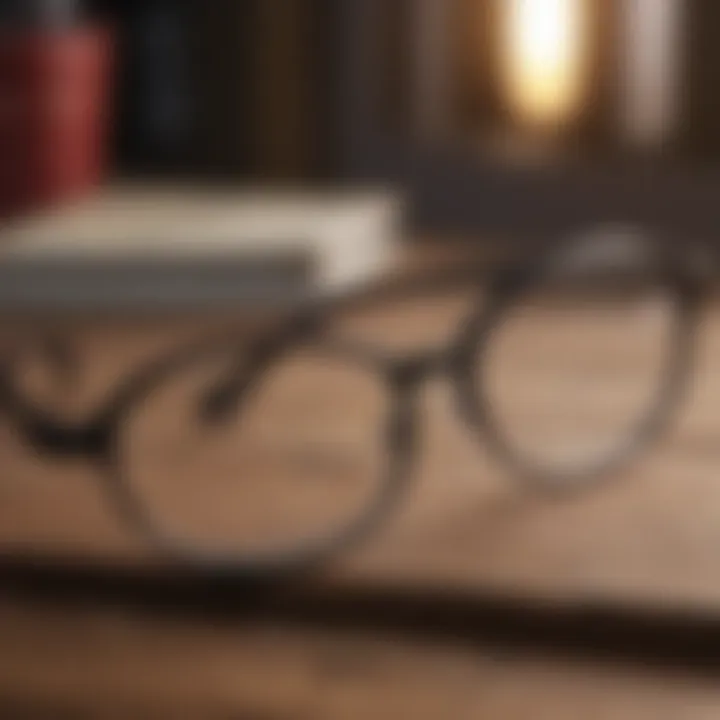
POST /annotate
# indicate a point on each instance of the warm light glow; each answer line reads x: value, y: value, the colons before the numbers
x: 651, y: 70
x: 544, y: 48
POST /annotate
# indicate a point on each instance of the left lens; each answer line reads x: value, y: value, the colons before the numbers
x: 301, y: 459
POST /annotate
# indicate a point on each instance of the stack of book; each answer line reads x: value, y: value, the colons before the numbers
x: 177, y: 248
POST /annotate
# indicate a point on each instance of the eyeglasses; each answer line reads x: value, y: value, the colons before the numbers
x: 268, y: 454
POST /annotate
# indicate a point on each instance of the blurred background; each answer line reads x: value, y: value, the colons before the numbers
x: 169, y: 167
x: 444, y: 98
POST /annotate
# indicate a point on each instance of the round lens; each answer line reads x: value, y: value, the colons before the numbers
x: 298, y: 460
x: 581, y: 366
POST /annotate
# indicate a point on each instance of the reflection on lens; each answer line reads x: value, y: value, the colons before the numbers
x: 300, y: 460
x: 580, y: 363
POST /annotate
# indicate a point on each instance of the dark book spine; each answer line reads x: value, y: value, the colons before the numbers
x: 223, y: 68
x: 156, y: 112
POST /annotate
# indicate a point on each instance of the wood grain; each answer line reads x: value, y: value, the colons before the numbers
x: 650, y: 538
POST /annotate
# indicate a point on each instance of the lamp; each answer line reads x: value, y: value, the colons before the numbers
x: 544, y: 48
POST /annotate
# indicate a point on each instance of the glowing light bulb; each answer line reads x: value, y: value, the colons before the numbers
x: 544, y: 48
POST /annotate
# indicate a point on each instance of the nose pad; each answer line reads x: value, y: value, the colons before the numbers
x: 462, y: 376
x: 218, y: 403
x: 408, y: 374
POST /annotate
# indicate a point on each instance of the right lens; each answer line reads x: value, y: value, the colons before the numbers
x: 582, y: 367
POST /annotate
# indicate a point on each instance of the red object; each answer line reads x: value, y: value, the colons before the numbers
x: 54, y: 115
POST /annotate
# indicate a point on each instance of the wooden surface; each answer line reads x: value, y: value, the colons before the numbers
x: 650, y: 535
x: 109, y: 664
x: 650, y: 538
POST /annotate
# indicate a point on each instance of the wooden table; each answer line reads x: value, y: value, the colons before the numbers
x: 651, y: 536
x: 649, y: 541
x: 108, y: 664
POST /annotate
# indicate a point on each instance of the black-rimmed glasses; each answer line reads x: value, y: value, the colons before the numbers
x: 265, y: 454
